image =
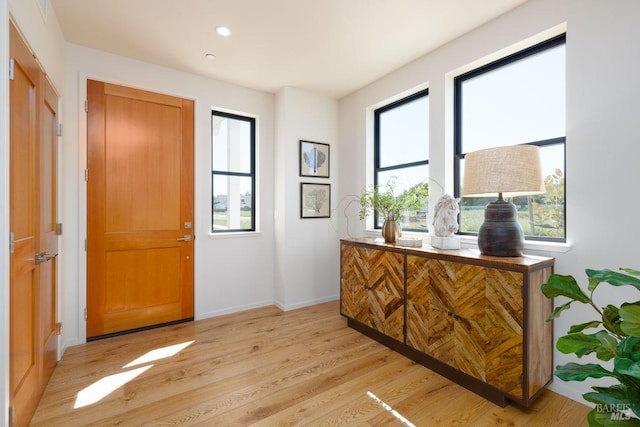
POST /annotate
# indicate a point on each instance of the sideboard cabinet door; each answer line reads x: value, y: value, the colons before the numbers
x: 469, y: 317
x: 372, y: 288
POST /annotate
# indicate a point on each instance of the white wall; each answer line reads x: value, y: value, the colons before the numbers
x: 44, y: 37
x: 231, y: 273
x: 602, y: 152
x: 602, y: 149
x: 307, y: 250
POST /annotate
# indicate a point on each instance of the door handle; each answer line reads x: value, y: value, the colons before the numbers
x: 44, y: 257
x: 186, y: 238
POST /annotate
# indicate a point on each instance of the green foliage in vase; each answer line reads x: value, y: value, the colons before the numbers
x: 389, y: 205
x: 616, y: 338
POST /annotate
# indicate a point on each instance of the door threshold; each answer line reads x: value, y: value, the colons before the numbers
x: 134, y: 330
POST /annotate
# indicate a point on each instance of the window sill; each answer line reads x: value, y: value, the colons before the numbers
x: 472, y: 242
x: 529, y: 245
x: 234, y: 235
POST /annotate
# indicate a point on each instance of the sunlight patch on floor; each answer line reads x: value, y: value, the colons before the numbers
x: 104, y: 386
x: 107, y: 385
x: 389, y: 409
x: 159, y: 353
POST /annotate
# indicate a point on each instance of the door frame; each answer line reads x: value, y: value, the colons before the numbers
x: 4, y: 216
x: 83, y: 194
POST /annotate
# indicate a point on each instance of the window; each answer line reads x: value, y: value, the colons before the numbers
x: 519, y: 99
x: 401, y: 152
x: 233, y: 172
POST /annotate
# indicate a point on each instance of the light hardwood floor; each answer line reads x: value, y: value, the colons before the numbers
x: 268, y: 368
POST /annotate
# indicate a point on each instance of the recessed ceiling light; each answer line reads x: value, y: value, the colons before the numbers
x: 223, y: 31
x: 210, y: 56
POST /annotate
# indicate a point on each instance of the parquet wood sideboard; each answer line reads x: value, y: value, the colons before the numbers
x: 477, y: 320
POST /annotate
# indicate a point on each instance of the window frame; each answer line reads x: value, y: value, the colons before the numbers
x: 458, y: 155
x: 251, y: 174
x: 376, y: 148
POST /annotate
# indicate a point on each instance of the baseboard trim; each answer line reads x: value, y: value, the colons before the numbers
x: 232, y: 310
x: 289, y: 307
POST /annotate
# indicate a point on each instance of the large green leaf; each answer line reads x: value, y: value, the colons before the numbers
x: 630, y: 315
x: 627, y: 366
x: 559, y: 309
x: 630, y: 271
x: 614, y: 395
x: 632, y: 388
x: 559, y: 285
x: 576, y: 372
x: 583, y: 326
x: 630, y: 344
x: 604, y: 419
x: 634, y: 397
x: 613, y: 278
x: 617, y: 398
x: 630, y: 348
x: 611, y: 319
x: 607, y: 349
x: 578, y: 343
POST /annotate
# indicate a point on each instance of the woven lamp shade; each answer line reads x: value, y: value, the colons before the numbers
x: 513, y: 171
x: 505, y: 171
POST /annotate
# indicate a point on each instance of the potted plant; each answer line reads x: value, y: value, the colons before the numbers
x: 390, y: 206
x: 617, y: 338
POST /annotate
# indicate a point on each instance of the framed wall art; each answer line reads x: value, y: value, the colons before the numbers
x: 315, y: 200
x: 314, y: 159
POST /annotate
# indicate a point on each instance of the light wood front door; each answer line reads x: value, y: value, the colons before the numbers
x: 140, y: 209
x: 33, y: 218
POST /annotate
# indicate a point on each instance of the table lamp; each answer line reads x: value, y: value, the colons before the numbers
x: 508, y: 171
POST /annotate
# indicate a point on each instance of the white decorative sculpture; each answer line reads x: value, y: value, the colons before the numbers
x: 445, y: 223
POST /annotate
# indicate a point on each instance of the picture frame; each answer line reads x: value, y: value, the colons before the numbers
x: 314, y: 159
x: 315, y: 200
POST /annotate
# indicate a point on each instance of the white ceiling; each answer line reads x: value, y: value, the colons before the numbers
x: 332, y: 47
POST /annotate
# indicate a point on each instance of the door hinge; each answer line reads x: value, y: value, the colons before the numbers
x: 11, y: 242
x: 86, y: 105
x: 85, y: 313
x: 59, y: 229
x: 59, y: 129
x: 85, y: 245
x: 12, y: 65
x: 11, y: 416
x: 86, y: 175
x: 59, y: 328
